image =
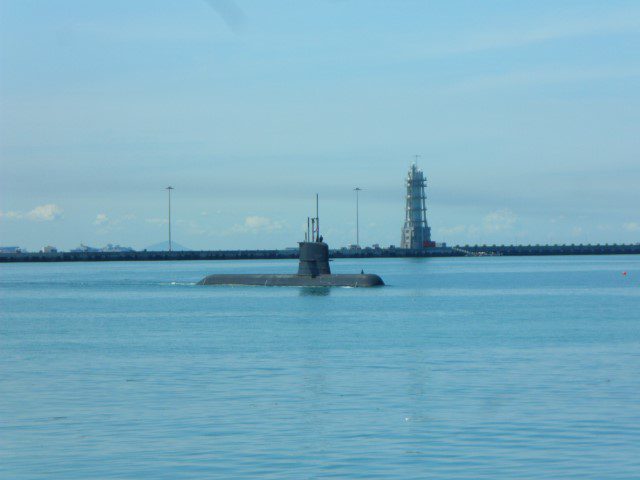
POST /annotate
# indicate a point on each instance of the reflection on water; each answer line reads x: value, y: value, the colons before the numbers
x: 314, y: 291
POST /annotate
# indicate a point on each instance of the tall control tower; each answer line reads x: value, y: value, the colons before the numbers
x: 416, y: 233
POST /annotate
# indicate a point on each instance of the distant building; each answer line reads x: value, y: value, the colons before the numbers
x: 116, y: 248
x: 10, y: 250
x: 49, y: 249
x: 85, y: 248
x: 108, y: 248
x: 416, y: 233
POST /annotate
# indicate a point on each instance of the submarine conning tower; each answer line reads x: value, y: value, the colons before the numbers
x: 313, y: 269
x: 314, y: 259
x: 314, y: 253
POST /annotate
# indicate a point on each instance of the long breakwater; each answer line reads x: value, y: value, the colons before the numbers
x: 457, y: 251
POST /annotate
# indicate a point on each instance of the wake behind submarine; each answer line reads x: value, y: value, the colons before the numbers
x: 313, y: 269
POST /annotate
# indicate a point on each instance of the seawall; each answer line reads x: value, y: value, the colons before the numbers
x: 458, y: 251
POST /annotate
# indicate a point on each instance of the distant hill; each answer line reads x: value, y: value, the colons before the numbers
x: 164, y: 247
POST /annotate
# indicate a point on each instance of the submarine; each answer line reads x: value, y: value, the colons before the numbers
x: 313, y: 268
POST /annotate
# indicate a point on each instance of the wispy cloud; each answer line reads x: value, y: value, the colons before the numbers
x: 101, y: 219
x: 193, y: 227
x: 41, y: 213
x: 257, y: 224
x: 11, y: 215
x: 502, y: 221
x: 230, y: 12
x: 499, y: 221
x: 45, y: 213
x: 544, y: 76
x: 631, y: 226
x: 107, y: 224
x: 157, y: 221
x: 619, y: 22
x: 496, y: 222
x: 447, y: 231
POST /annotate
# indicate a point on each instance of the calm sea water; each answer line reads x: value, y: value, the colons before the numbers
x: 459, y: 368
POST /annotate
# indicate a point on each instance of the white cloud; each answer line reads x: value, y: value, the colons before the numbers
x: 257, y: 224
x: 499, y: 220
x: 157, y: 221
x: 41, y: 213
x: 503, y: 220
x: 451, y: 230
x: 45, y: 213
x: 192, y: 227
x: 631, y: 226
x: 474, y: 231
x: 11, y: 215
x: 101, y: 218
x: 107, y: 224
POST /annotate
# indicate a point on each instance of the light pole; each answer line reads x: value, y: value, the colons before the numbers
x: 169, y: 188
x: 357, y: 190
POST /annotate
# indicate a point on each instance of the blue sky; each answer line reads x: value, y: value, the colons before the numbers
x: 526, y: 116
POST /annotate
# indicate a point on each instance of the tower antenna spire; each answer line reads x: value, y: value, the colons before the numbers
x: 317, y: 219
x: 357, y: 190
x: 168, y: 189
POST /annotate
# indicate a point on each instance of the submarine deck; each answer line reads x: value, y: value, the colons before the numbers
x: 293, y: 280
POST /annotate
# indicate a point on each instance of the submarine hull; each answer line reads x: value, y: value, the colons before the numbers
x: 271, y: 280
